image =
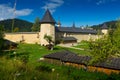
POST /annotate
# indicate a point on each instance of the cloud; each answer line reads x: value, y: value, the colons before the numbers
x: 99, y: 2
x: 7, y: 12
x: 53, y: 4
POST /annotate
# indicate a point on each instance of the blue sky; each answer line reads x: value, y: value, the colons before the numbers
x: 82, y: 12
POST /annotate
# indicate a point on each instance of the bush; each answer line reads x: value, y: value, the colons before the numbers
x: 1, y: 44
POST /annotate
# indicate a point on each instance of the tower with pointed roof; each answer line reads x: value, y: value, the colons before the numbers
x: 73, y: 25
x: 58, y: 23
x: 104, y: 29
x: 47, y: 27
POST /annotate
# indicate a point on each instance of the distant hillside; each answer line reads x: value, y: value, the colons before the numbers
x: 22, y: 25
x: 110, y: 24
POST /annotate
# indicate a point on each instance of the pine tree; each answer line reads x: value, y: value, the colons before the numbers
x: 36, y: 25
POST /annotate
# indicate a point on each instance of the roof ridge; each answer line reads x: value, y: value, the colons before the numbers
x: 47, y: 18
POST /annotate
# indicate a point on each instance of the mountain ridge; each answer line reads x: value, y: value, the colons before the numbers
x: 110, y: 24
x: 22, y: 25
x: 25, y: 26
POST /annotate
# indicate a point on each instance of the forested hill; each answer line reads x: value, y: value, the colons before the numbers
x: 19, y: 25
x: 110, y: 24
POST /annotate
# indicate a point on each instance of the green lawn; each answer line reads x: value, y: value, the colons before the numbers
x: 36, y: 51
x: 13, y: 66
x: 83, y: 45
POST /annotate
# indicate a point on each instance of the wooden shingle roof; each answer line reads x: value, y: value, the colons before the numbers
x: 67, y: 56
x: 58, y: 55
x: 111, y: 63
x: 47, y: 18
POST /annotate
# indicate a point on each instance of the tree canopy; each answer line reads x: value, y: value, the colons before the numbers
x: 36, y: 25
x: 107, y: 46
x: 1, y: 36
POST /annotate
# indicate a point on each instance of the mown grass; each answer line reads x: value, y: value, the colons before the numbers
x: 83, y: 45
x: 36, y: 51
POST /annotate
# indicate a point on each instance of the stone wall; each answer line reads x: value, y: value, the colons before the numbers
x: 78, y: 36
x: 34, y: 37
x: 27, y: 37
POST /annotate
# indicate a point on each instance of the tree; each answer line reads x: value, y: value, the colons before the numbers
x: 116, y: 35
x: 102, y: 49
x: 107, y: 46
x: 49, y: 40
x: 36, y: 25
x: 1, y: 36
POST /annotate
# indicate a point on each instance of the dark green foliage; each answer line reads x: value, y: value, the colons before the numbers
x: 1, y: 31
x: 1, y: 43
x: 113, y: 77
x: 36, y: 25
x: 22, y: 25
x: 107, y: 46
x: 1, y: 37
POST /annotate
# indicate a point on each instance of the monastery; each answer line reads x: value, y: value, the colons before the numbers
x: 58, y: 33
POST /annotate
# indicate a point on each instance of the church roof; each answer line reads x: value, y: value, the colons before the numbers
x: 104, y: 26
x: 75, y: 30
x: 47, y: 18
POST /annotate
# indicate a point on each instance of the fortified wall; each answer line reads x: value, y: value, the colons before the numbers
x: 26, y: 37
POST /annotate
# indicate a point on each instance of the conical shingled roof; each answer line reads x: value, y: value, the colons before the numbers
x: 104, y: 26
x: 47, y: 18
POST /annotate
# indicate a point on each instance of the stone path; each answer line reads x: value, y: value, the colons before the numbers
x: 70, y: 46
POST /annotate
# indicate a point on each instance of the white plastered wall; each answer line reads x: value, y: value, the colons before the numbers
x: 28, y: 37
x: 47, y: 29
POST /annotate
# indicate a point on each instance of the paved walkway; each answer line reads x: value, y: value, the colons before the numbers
x: 70, y: 46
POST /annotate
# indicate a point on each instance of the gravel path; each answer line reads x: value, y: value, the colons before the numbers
x: 70, y: 46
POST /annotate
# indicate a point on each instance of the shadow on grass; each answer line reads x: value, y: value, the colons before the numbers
x: 4, y: 53
x: 56, y: 48
x: 60, y: 48
x: 19, y: 54
x: 12, y: 54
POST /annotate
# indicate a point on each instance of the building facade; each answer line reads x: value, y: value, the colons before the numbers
x: 58, y: 33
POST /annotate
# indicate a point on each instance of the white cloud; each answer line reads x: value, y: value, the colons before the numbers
x: 53, y: 4
x: 7, y: 12
x: 58, y: 1
x: 99, y: 2
x: 23, y: 12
